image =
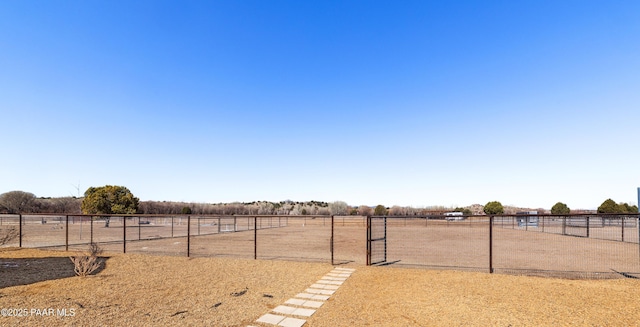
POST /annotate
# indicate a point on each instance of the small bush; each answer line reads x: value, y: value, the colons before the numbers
x: 86, y: 264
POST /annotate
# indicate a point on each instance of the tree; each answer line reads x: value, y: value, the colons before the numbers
x: 17, y: 201
x: 493, y: 208
x: 626, y: 208
x: 609, y: 206
x: 560, y: 209
x: 380, y: 210
x: 186, y: 210
x: 108, y: 200
x: 338, y: 208
x: 364, y: 210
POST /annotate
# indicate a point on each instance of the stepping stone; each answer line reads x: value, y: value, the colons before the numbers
x: 303, y: 312
x: 305, y: 303
x: 344, y: 269
x: 325, y: 286
x: 304, y: 295
x: 292, y: 322
x: 317, y: 291
x: 295, y: 301
x: 329, y: 282
x: 271, y: 319
x: 334, y: 278
x: 312, y: 304
x: 339, y: 275
x: 318, y: 286
x: 320, y: 297
x: 284, y: 309
x: 312, y: 296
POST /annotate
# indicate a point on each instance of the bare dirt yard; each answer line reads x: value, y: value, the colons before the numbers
x: 146, y: 290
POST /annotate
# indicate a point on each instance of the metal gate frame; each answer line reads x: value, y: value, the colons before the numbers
x: 370, y: 241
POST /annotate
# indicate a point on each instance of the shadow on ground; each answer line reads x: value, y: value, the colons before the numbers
x: 24, y: 271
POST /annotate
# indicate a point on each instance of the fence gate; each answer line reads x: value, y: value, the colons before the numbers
x: 376, y: 240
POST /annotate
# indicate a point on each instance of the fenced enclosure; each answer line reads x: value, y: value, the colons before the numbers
x: 572, y: 246
x: 308, y: 238
x: 575, y: 246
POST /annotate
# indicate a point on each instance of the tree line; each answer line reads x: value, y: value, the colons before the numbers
x: 608, y: 206
x: 111, y: 199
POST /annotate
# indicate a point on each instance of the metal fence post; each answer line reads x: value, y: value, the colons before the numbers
x: 331, y: 245
x: 139, y: 227
x: 255, y: 238
x: 124, y: 233
x: 588, y: 220
x: 491, y: 245
x: 91, y: 232
x: 188, y: 236
x: 171, y: 226
x: 198, y: 225
x: 20, y: 229
x: 368, y: 241
x: 622, y: 229
x: 66, y: 237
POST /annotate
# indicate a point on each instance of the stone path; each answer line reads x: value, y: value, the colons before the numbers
x: 305, y: 304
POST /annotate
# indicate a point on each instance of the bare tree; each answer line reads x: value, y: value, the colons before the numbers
x: 17, y: 201
x: 365, y: 210
x: 265, y: 208
x: 338, y: 208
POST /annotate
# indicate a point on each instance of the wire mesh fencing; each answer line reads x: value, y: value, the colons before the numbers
x: 577, y: 246
x: 572, y: 246
x: 261, y: 237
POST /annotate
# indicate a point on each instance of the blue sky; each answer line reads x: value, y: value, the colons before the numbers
x: 415, y: 103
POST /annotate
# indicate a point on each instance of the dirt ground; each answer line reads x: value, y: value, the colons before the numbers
x: 139, y: 290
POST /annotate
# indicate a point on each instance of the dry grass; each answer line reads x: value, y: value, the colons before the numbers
x: 142, y: 290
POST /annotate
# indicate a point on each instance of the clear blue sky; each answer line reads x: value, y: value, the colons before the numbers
x: 398, y: 103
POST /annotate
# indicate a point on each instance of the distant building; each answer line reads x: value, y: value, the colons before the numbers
x: 527, y: 218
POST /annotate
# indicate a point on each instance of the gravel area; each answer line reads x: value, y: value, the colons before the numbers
x: 144, y: 290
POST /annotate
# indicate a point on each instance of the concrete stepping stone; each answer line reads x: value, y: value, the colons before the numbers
x: 325, y: 286
x: 330, y: 282
x: 292, y: 322
x: 334, y: 278
x: 312, y: 296
x: 287, y: 310
x: 318, y: 291
x: 271, y: 319
x: 305, y: 303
